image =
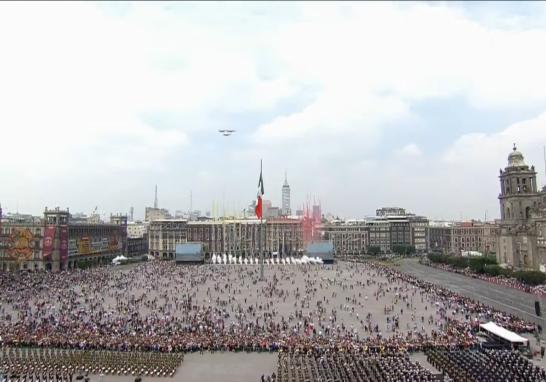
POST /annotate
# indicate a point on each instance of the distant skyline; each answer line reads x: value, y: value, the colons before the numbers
x: 365, y: 105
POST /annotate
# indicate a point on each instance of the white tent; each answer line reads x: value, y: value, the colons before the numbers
x: 117, y: 259
x: 503, y: 333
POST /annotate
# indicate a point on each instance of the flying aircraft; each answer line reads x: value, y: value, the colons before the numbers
x: 226, y: 133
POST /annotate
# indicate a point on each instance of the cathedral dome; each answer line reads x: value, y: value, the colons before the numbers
x: 515, y: 158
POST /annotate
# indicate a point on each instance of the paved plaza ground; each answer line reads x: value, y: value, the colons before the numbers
x: 500, y: 297
x: 214, y: 367
x: 344, y: 297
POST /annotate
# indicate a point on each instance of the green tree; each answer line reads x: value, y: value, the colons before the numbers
x: 530, y: 277
x: 374, y: 250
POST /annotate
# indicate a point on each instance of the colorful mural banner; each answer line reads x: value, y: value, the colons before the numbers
x: 21, y: 242
x: 49, y: 241
x: 63, y: 250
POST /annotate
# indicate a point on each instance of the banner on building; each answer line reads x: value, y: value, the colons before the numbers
x: 49, y: 242
x: 63, y: 249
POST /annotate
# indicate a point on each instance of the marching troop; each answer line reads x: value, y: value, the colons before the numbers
x: 485, y: 366
x: 39, y: 364
x: 349, y: 367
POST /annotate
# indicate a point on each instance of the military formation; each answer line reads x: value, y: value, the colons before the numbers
x: 39, y: 364
x: 485, y: 366
x: 348, y: 367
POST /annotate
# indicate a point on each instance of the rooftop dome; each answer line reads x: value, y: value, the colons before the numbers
x: 515, y: 158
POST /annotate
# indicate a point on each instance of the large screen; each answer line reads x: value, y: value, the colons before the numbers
x: 189, y: 252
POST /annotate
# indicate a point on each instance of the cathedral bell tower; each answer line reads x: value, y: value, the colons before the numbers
x: 519, y: 202
x: 518, y: 184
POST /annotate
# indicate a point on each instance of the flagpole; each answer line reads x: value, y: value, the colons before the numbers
x: 261, y: 250
x: 261, y: 241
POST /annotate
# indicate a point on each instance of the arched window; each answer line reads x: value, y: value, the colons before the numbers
x: 508, y: 213
x: 527, y: 212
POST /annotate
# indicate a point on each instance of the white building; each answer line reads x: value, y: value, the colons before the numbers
x: 136, y: 230
x: 151, y: 214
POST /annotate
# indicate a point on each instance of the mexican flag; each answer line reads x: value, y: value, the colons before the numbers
x: 258, y: 209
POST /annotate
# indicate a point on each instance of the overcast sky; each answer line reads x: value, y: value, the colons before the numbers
x: 365, y: 105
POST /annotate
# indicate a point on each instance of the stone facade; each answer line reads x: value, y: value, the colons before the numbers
x: 523, y: 218
x: 239, y: 237
x: 452, y: 238
x: 439, y: 237
x: 137, y: 246
x: 153, y: 213
x: 348, y: 238
x: 55, y: 242
x: 385, y: 231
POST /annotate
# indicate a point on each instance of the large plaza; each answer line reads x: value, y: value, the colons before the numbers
x: 163, y: 307
x: 168, y: 307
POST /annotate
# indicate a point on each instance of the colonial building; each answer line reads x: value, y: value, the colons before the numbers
x: 136, y: 229
x: 137, y: 239
x: 418, y: 226
x: 97, y: 243
x: 523, y: 217
x: 164, y: 234
x: 439, y: 237
x: 56, y: 243
x: 386, y: 231
x: 380, y: 234
x: 21, y: 241
x: 348, y: 238
x: 452, y: 238
x: 137, y: 246
x: 390, y: 211
x: 241, y: 237
x: 152, y: 213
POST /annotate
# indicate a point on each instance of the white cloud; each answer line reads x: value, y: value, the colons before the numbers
x: 334, y: 115
x: 485, y: 150
x: 76, y: 81
x: 462, y: 181
x: 410, y: 150
x: 475, y: 159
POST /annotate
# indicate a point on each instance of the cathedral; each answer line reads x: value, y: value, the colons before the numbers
x: 522, y: 236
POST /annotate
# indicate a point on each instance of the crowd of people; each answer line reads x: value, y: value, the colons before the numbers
x: 510, y: 282
x: 159, y: 306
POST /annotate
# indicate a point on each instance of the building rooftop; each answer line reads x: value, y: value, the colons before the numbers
x: 515, y: 158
